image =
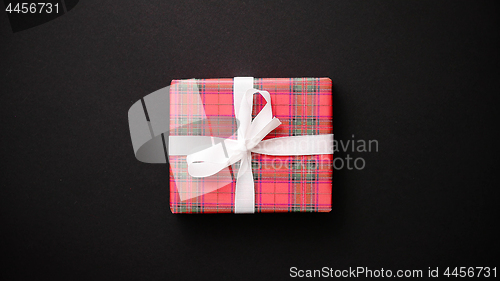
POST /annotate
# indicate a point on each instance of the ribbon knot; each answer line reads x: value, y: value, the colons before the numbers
x: 242, y: 148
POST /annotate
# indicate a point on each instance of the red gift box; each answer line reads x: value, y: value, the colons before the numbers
x: 298, y: 183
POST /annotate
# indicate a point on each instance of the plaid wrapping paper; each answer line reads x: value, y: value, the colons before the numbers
x: 282, y: 183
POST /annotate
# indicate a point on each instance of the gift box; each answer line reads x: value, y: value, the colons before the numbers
x: 206, y: 130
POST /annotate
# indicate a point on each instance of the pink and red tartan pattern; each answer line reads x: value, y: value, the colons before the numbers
x: 282, y: 183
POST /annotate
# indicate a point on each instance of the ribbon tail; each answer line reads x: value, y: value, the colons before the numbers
x: 244, y: 202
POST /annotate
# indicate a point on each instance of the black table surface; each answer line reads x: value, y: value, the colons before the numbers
x: 420, y: 77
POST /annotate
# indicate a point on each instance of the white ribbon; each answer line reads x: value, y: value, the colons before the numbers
x: 250, y: 133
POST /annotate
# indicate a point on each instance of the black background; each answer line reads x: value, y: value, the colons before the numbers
x: 421, y: 77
